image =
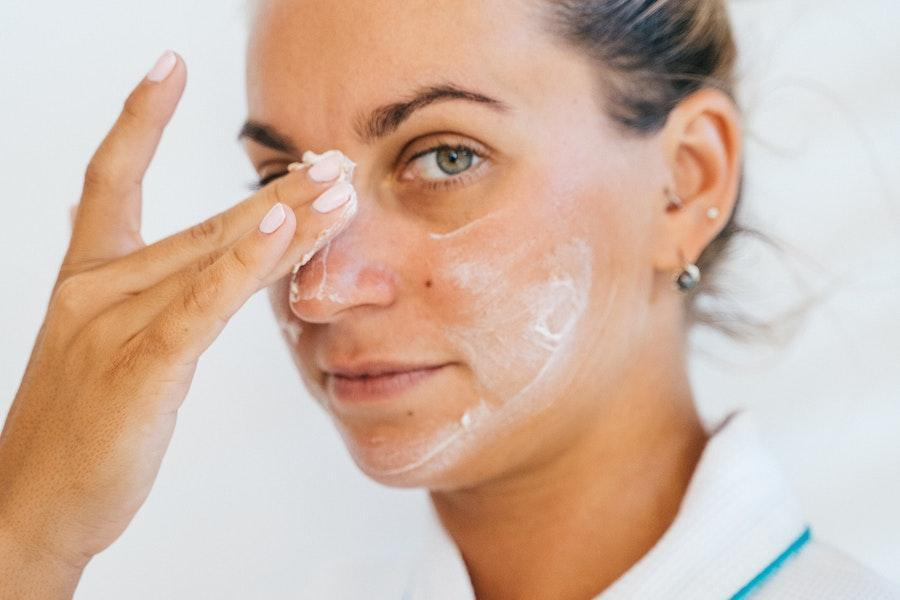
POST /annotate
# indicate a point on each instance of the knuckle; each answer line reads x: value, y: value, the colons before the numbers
x: 200, y: 297
x: 242, y: 259
x: 131, y: 109
x: 245, y: 263
x: 210, y: 231
x: 206, y: 261
x: 96, y: 174
x: 72, y: 294
x: 280, y: 192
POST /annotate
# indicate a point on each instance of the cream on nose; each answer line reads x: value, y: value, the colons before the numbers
x: 334, y: 281
x: 347, y: 272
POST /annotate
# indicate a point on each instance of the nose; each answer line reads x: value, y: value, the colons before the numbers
x: 351, y: 271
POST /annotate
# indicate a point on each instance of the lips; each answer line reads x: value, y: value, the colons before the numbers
x: 376, y: 369
x: 377, y: 380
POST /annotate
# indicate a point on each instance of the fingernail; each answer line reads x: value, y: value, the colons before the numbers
x: 163, y: 67
x: 273, y: 219
x: 326, y: 169
x: 333, y: 197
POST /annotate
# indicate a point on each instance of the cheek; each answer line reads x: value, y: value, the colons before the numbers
x: 514, y: 307
x: 517, y: 289
x: 290, y: 327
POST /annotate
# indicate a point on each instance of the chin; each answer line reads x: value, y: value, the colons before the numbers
x: 409, y: 454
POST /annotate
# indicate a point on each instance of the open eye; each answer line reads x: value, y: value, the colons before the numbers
x: 439, y: 162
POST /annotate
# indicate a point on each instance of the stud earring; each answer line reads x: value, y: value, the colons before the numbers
x: 688, y: 278
x: 676, y: 203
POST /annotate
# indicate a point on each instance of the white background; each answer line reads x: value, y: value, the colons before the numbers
x: 257, y: 496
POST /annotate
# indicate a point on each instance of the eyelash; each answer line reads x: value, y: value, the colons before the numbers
x: 451, y: 181
x: 255, y: 186
x: 439, y: 184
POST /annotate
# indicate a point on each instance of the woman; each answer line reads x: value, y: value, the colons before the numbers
x: 487, y: 287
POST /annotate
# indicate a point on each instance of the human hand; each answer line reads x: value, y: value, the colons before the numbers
x: 124, y: 329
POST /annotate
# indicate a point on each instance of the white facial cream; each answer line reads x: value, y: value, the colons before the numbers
x: 324, y: 238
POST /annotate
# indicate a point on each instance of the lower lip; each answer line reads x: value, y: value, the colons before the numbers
x: 379, y: 388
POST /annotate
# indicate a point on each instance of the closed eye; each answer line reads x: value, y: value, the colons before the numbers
x: 255, y: 186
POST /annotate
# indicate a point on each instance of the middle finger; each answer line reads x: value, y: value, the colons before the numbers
x: 141, y: 269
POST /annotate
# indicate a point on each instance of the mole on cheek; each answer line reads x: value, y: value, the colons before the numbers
x: 409, y: 413
x: 429, y: 283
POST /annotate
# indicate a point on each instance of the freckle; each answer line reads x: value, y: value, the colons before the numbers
x: 409, y: 413
x: 429, y: 283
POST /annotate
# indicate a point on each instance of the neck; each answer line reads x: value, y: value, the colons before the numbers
x: 571, y: 526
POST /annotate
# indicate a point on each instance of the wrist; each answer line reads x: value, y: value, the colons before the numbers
x: 28, y: 570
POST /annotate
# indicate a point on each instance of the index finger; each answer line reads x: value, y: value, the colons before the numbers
x: 298, y: 187
x: 108, y: 221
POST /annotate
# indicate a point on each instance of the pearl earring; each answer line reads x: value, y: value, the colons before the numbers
x: 688, y: 278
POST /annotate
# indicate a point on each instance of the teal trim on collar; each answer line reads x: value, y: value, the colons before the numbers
x: 795, y: 546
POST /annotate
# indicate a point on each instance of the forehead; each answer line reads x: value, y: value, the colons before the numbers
x: 328, y: 59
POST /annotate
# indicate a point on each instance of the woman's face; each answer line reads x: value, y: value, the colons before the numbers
x: 500, y: 254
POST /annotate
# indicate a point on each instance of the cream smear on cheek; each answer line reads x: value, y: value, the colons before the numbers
x: 514, y: 337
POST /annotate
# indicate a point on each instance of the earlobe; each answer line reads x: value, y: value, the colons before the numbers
x: 702, y: 142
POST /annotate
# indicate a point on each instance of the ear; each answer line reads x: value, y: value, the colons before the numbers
x: 702, y: 146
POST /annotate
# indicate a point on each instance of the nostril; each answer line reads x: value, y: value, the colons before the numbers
x: 331, y: 283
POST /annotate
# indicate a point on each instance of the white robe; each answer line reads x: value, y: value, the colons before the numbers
x: 739, y: 533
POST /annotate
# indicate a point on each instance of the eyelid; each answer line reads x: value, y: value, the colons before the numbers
x: 479, y: 159
x: 438, y: 140
x: 444, y: 183
x: 262, y: 182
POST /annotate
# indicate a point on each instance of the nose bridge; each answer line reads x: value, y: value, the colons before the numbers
x: 349, y: 271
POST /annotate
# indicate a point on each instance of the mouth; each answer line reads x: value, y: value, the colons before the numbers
x: 377, y: 380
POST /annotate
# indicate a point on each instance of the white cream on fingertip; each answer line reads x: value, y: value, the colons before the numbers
x: 349, y: 211
x: 325, y: 236
x: 347, y: 166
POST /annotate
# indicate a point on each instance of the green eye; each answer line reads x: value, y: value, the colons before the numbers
x: 454, y: 161
x: 443, y: 166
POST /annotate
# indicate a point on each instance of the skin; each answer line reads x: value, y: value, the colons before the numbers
x: 563, y: 418
x: 612, y: 398
x: 115, y: 356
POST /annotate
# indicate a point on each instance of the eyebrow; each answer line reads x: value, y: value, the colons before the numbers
x: 382, y: 121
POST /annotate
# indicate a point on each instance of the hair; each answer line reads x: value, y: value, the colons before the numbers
x: 651, y: 55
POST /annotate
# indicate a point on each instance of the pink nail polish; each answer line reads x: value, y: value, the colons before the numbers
x: 273, y: 219
x: 326, y: 169
x: 163, y: 67
x: 333, y: 197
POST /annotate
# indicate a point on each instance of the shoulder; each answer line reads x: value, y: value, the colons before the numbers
x: 824, y: 572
